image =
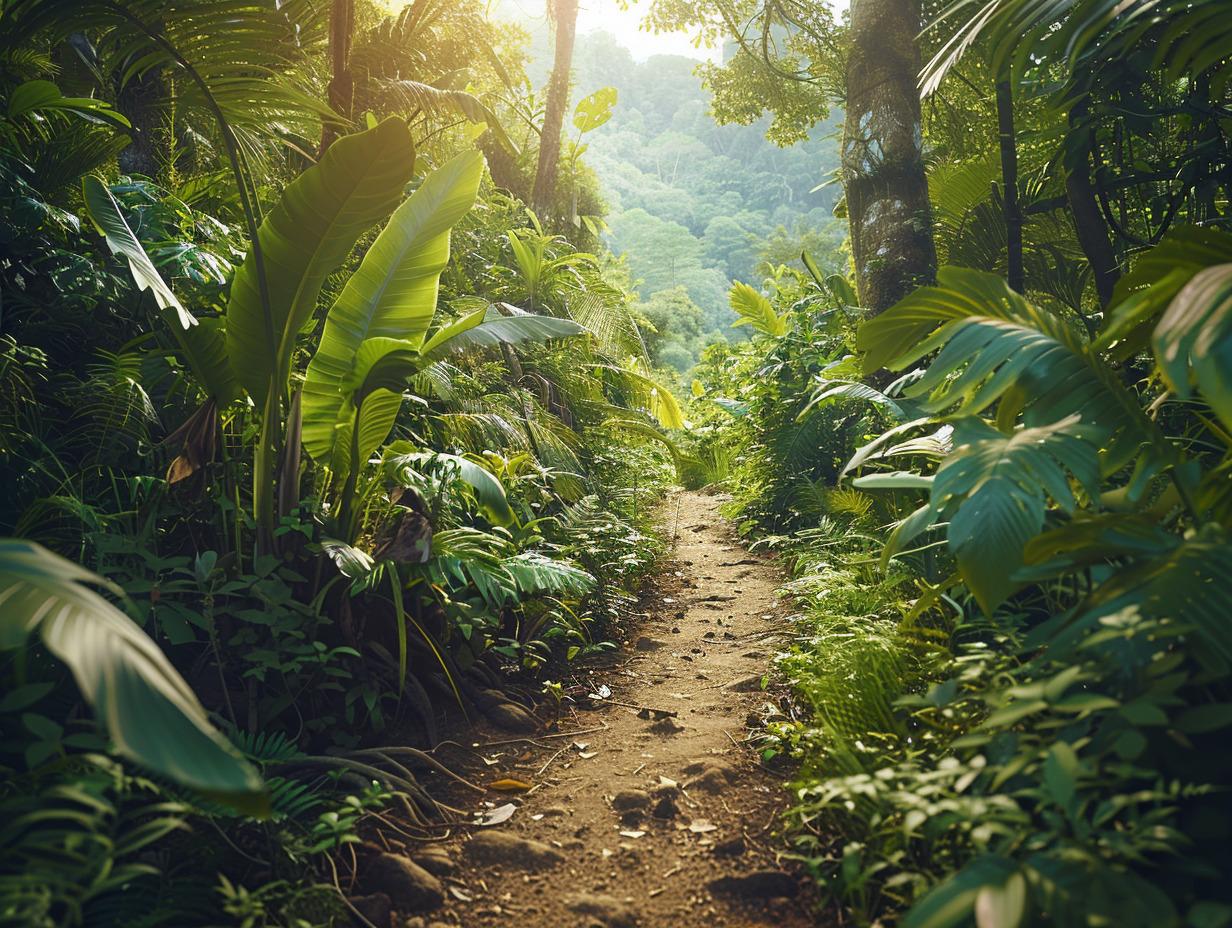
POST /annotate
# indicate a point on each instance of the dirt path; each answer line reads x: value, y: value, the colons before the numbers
x: 637, y: 816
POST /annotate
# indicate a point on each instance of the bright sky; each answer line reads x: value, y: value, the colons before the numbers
x: 607, y: 16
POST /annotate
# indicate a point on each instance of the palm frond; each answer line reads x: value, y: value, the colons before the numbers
x: 606, y: 313
x: 639, y: 391
x: 995, y: 346
x: 534, y: 573
x: 996, y: 486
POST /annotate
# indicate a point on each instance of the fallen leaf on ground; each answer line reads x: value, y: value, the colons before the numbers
x: 588, y: 755
x: 632, y: 834
x: 700, y: 826
x: 510, y: 786
x: 497, y: 815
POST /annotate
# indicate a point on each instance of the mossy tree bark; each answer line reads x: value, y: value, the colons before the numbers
x: 143, y: 100
x: 883, y: 169
x: 544, y: 193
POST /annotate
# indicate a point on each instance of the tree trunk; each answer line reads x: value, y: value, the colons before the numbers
x: 1088, y: 222
x: 557, y: 102
x: 883, y: 169
x: 341, y: 85
x: 142, y: 100
x: 504, y: 168
x: 1009, y: 184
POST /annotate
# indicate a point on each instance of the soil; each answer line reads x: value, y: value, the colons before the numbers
x: 646, y: 807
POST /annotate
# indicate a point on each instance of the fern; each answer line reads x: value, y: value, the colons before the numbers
x: 755, y: 310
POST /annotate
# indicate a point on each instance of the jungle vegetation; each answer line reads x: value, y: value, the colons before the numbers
x: 325, y: 407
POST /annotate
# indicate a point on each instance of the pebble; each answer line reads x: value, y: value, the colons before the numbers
x: 510, y: 717
x: 666, y: 727
x: 749, y: 684
x: 409, y: 886
x: 495, y: 847
x: 436, y: 861
x: 710, y: 781
x: 760, y: 884
x: 629, y: 799
x: 377, y: 908
x: 665, y: 808
x: 606, y: 910
x: 727, y: 771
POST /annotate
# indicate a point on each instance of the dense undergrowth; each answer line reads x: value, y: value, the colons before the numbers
x: 337, y: 428
x: 1011, y: 663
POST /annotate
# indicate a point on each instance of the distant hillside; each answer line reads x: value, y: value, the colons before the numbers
x: 694, y: 204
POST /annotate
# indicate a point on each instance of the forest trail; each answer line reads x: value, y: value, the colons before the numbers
x: 637, y: 817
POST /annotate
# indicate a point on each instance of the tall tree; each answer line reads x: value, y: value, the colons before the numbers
x: 341, y: 83
x: 565, y: 13
x: 883, y: 168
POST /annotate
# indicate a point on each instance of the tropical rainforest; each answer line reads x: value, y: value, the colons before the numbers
x: 348, y: 351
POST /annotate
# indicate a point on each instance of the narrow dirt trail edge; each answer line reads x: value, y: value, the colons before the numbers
x: 639, y: 818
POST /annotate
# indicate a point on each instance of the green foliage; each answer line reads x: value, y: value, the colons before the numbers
x: 758, y: 406
x: 391, y: 296
x: 72, y: 840
x: 1061, y: 748
x: 315, y: 225
x: 147, y: 708
x: 754, y: 309
x: 499, y: 511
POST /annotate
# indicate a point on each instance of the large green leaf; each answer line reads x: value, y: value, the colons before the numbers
x: 995, y: 346
x: 150, y: 712
x: 996, y: 486
x: 392, y: 295
x: 595, y: 110
x: 1193, y: 340
x: 382, y: 367
x: 534, y: 573
x: 105, y: 215
x: 303, y: 239
x: 493, y: 328
x: 642, y: 390
x: 887, y: 339
x: 953, y: 902
x: 488, y: 490
x: 1187, y: 585
x: 40, y: 96
x: 203, y: 344
x: 1142, y: 295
